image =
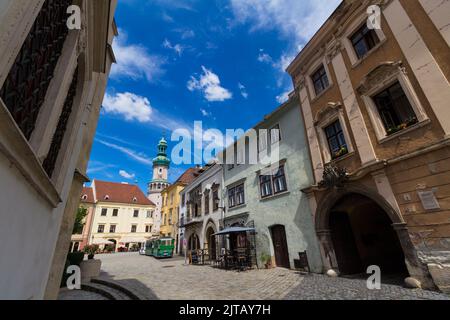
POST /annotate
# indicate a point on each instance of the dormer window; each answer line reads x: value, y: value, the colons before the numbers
x: 106, y: 197
x: 84, y: 197
x: 134, y: 199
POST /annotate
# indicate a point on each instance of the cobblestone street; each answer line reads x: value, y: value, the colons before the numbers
x: 171, y: 279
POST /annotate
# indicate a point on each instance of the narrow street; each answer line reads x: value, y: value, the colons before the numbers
x: 171, y: 279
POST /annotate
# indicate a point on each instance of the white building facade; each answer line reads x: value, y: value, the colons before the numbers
x: 201, y: 209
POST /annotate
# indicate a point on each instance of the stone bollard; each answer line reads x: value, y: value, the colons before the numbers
x: 413, y: 283
x: 331, y: 273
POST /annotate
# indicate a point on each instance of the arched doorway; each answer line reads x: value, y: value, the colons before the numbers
x: 210, y: 243
x: 362, y: 235
x: 194, y: 242
x: 280, y: 247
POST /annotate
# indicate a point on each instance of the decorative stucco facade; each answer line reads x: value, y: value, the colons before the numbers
x: 375, y: 108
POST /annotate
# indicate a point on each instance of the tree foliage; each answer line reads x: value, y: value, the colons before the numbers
x: 79, y: 220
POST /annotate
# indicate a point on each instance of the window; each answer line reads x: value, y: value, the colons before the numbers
x: 149, y: 214
x: 135, y: 213
x: 115, y: 212
x: 275, y: 134
x: 112, y: 228
x: 183, y: 199
x: 101, y: 228
x: 134, y: 228
x: 273, y: 183
x: 216, y: 199
x: 320, y: 80
x: 240, y: 197
x: 231, y: 198
x: 148, y: 228
x: 279, y: 181
x: 170, y: 216
x: 395, y: 109
x: 236, y: 196
x: 265, y: 182
x: 364, y: 40
x: 336, y: 140
x: 104, y: 212
x: 207, y: 201
x: 29, y: 78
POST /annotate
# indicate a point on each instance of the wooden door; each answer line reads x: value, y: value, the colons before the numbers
x: 280, y: 246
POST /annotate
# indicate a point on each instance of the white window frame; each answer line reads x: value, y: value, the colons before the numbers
x: 413, y: 99
x: 358, y: 23
x: 336, y: 114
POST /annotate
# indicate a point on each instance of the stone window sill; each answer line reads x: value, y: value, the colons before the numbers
x: 318, y: 96
x: 405, y: 131
x: 237, y: 207
x: 274, y: 196
x: 368, y: 53
x: 16, y: 148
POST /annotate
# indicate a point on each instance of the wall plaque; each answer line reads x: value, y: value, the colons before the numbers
x: 428, y: 199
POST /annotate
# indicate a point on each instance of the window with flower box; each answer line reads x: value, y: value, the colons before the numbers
x: 336, y: 140
x: 395, y: 109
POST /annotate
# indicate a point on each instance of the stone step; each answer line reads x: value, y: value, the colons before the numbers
x: 105, y: 291
x: 131, y: 293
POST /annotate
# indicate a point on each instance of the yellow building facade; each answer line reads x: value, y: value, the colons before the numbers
x: 171, y: 204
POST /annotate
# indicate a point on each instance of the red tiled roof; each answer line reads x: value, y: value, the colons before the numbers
x: 87, y: 195
x: 119, y: 193
x: 189, y: 175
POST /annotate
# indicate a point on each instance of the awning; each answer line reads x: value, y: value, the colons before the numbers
x: 101, y: 241
x: 234, y: 230
x: 132, y: 240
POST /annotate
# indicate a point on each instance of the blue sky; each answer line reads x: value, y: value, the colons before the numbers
x: 221, y: 62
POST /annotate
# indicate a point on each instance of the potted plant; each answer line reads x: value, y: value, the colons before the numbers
x: 266, y: 260
x: 91, y: 250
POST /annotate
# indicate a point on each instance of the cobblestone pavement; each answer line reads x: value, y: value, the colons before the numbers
x: 171, y: 279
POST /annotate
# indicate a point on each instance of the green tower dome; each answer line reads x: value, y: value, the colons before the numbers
x: 162, y: 159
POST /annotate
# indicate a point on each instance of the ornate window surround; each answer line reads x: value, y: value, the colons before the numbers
x: 326, y: 116
x: 380, y: 78
x: 351, y: 29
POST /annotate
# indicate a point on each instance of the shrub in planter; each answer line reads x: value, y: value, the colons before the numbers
x: 91, y: 250
x: 75, y: 258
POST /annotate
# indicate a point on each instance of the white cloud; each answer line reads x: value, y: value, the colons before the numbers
x: 283, y: 97
x: 131, y: 106
x: 243, y: 90
x: 209, y: 84
x: 205, y: 113
x: 138, y: 156
x: 134, y: 61
x: 127, y: 175
x: 138, y: 108
x: 178, y: 48
x: 185, y: 33
x: 296, y: 19
x: 265, y: 58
